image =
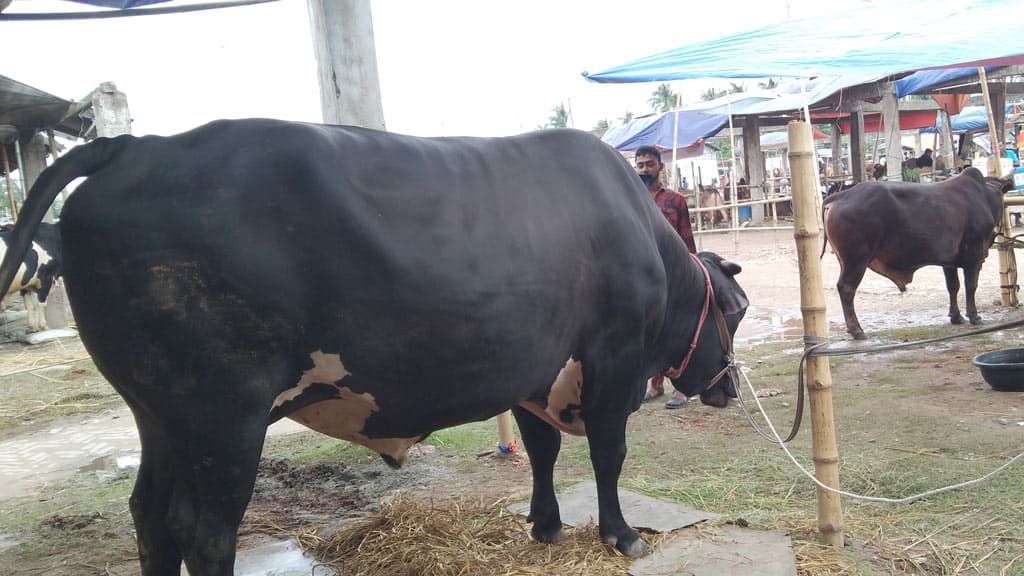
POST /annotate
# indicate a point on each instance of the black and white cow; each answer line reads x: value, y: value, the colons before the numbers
x: 39, y: 268
x: 376, y: 288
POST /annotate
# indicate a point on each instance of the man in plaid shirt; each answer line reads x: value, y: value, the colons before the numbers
x: 673, y: 206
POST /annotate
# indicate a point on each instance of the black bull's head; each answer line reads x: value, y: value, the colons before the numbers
x: 715, y: 347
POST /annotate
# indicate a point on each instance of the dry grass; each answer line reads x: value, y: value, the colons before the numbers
x: 408, y: 537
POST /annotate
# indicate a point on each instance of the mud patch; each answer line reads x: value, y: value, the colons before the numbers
x: 72, y: 521
x: 288, y: 495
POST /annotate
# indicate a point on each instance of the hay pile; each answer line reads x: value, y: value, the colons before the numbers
x: 462, y: 538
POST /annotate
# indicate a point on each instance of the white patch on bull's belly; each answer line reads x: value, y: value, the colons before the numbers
x: 565, y: 393
x: 343, y: 417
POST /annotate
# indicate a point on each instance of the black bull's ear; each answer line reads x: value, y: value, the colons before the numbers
x: 731, y: 298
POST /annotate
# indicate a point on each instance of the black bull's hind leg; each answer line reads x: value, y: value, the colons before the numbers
x: 542, y: 444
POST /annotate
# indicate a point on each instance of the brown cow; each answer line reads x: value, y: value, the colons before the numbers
x: 894, y: 228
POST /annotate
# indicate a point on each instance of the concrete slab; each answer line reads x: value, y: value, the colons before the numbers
x: 724, y: 550
x: 48, y: 335
x: 578, y: 506
x: 278, y: 558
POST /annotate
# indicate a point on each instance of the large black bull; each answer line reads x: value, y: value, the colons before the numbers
x: 894, y: 228
x: 377, y: 288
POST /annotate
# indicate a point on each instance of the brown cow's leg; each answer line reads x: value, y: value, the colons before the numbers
x: 849, y: 279
x: 953, y: 287
x: 970, y: 287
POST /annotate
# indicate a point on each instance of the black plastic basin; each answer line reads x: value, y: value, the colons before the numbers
x: 1002, y: 369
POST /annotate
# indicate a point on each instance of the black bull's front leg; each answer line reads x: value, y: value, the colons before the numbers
x: 606, y: 436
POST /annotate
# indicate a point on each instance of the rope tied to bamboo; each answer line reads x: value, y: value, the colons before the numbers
x: 819, y: 346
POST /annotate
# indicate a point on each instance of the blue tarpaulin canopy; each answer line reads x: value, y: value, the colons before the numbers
x: 660, y: 130
x: 119, y: 3
x: 970, y: 119
x: 878, y: 40
x: 925, y: 79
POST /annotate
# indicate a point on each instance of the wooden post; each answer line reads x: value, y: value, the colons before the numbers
x: 947, y: 141
x: 1007, y: 259
x: 346, y: 56
x: 812, y: 305
x: 893, y: 145
x: 10, y: 183
x: 506, y: 436
x: 755, y: 166
x: 857, y: 163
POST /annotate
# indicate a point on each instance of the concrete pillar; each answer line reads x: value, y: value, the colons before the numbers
x: 110, y: 107
x: 893, y: 146
x: 857, y: 164
x: 347, y: 62
x: 754, y: 161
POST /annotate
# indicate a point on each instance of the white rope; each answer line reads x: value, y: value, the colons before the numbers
x: 906, y: 500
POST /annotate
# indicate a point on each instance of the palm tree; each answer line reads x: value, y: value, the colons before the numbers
x: 711, y: 94
x: 601, y: 127
x: 559, y: 117
x: 663, y: 99
x: 627, y: 117
x: 735, y: 88
x: 771, y: 83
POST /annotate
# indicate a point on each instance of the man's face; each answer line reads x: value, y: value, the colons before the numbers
x: 646, y: 164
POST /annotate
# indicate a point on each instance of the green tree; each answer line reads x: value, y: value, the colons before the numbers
x: 662, y: 99
x: 559, y: 117
x: 711, y: 94
x: 601, y: 127
x: 627, y: 117
x: 735, y: 88
x: 771, y: 83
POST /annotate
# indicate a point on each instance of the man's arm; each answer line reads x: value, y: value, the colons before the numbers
x: 683, y: 225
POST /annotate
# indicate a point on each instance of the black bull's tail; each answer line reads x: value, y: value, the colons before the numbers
x: 80, y: 161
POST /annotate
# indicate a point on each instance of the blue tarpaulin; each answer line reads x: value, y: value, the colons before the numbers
x: 925, y: 79
x: 119, y: 3
x: 970, y: 119
x: 879, y: 40
x: 659, y: 130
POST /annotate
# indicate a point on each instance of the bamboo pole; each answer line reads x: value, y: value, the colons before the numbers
x: 812, y: 305
x: 1007, y: 259
x: 506, y: 437
x: 675, y: 143
x: 733, y: 212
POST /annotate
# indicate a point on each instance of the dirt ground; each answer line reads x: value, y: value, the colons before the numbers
x: 289, y: 495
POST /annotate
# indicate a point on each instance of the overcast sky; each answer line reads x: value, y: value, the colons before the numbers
x: 466, y: 67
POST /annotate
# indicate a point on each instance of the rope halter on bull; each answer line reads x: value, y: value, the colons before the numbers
x: 723, y: 334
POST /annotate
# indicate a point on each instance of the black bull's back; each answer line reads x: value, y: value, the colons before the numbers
x: 432, y: 267
x: 375, y: 287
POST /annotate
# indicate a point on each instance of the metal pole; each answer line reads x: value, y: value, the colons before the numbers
x: 812, y: 305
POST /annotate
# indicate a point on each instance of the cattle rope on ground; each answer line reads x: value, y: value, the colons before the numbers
x: 817, y: 346
x: 905, y: 500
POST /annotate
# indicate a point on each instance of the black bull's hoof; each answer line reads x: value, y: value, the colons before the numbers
x: 634, y: 549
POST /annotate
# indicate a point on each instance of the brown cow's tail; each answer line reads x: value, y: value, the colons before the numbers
x: 824, y: 228
x: 80, y: 161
